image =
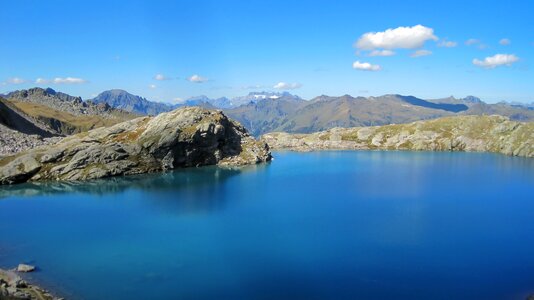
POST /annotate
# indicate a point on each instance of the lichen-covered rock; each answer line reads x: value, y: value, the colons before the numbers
x: 462, y: 133
x: 185, y: 137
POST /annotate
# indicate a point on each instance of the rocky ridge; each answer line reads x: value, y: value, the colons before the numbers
x: 62, y: 114
x: 460, y: 133
x: 185, y: 137
x: 60, y: 101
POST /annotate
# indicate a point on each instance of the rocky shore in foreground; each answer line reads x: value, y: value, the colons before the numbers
x: 462, y: 133
x: 185, y: 137
x: 13, y: 287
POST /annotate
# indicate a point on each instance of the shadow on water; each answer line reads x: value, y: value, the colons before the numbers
x: 165, y: 182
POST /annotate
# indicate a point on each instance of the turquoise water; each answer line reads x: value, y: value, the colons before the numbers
x: 336, y: 225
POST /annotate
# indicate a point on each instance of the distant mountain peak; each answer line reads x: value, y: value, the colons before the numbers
x: 472, y: 99
x: 122, y: 99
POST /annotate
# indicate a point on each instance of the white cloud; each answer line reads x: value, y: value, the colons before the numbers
x: 471, y: 42
x: 420, y: 53
x: 491, y: 62
x: 400, y: 37
x: 381, y: 53
x: 476, y: 42
x: 178, y: 100
x: 68, y: 80
x: 16, y: 80
x: 152, y: 86
x: 41, y: 81
x: 197, y: 79
x: 365, y: 66
x: 60, y: 80
x: 161, y: 77
x: 505, y: 42
x: 447, y: 44
x: 287, y: 86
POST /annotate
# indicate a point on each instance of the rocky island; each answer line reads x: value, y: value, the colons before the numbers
x: 185, y: 137
x: 460, y: 133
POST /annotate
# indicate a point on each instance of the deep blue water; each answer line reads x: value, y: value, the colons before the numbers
x: 322, y: 225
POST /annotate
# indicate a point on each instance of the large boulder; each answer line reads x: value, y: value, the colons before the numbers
x: 25, y: 268
x: 185, y: 137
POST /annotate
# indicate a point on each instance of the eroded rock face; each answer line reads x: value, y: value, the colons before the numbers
x: 185, y: 137
x: 463, y: 133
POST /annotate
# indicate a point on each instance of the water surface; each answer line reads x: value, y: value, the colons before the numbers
x: 338, y: 225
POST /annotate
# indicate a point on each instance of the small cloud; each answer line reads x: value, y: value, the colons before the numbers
x: 68, y: 80
x: 476, y: 42
x: 287, y: 86
x: 471, y: 42
x: 420, y: 53
x: 447, y: 44
x: 16, y: 80
x: 42, y: 81
x: 197, y: 79
x: 178, y: 100
x: 161, y: 77
x: 505, y: 42
x: 152, y: 86
x: 381, y: 53
x: 365, y: 66
x: 254, y: 87
x: 363, y: 91
x: 400, y: 37
x: 497, y: 60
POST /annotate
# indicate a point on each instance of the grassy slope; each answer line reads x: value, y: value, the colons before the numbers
x: 69, y: 123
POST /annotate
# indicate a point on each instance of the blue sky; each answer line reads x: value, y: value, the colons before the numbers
x: 306, y: 47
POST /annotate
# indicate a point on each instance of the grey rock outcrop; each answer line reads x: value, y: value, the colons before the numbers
x: 462, y: 133
x: 185, y: 137
x: 25, y: 268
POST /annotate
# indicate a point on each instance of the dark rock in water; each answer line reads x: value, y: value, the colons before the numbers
x: 25, y: 268
x: 185, y: 137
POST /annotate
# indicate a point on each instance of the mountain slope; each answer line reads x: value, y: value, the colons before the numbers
x: 16, y: 120
x: 266, y: 114
x: 324, y: 112
x: 65, y: 114
x: 19, y: 132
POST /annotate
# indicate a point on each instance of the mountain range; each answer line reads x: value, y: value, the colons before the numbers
x: 123, y: 100
x: 325, y: 112
x: 259, y: 112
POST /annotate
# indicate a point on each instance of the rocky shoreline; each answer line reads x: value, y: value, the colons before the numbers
x: 462, y: 133
x: 13, y: 287
x: 185, y: 137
